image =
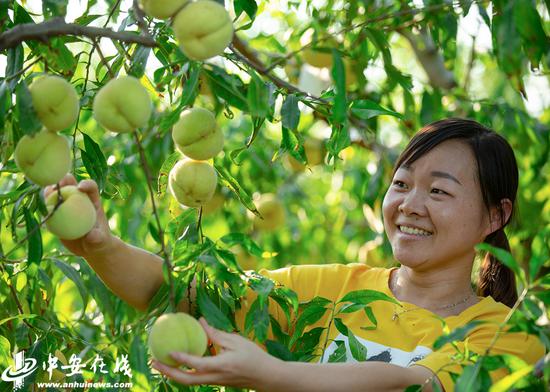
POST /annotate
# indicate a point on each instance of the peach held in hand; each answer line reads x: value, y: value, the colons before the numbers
x: 192, y: 183
x: 176, y: 332
x: 74, y: 217
x: 162, y: 9
x: 122, y: 105
x: 196, y: 134
x: 44, y: 158
x: 55, y: 101
x: 203, y: 29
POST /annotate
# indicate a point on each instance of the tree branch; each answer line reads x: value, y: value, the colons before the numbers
x: 57, y: 26
x: 430, y: 58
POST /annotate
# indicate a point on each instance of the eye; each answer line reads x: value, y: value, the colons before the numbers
x: 399, y: 184
x: 439, y: 191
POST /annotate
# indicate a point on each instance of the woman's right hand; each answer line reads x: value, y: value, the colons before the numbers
x: 99, y: 239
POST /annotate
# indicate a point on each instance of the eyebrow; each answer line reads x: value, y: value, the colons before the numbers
x: 435, y: 173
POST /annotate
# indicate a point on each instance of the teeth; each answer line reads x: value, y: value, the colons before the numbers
x: 412, y: 230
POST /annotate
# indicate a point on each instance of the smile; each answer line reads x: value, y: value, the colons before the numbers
x: 413, y: 231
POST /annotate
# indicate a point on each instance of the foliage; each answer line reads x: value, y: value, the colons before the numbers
x: 51, y: 299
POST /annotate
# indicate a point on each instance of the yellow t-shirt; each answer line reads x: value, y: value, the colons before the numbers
x: 406, y: 340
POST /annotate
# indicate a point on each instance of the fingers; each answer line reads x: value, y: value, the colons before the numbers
x: 90, y: 188
x: 217, y: 336
x: 200, y: 364
x: 186, y: 377
x: 67, y: 180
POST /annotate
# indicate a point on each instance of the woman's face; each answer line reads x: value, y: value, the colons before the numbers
x: 440, y: 195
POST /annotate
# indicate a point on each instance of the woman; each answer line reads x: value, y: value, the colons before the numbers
x: 453, y: 187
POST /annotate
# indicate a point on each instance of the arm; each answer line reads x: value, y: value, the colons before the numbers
x: 242, y: 363
x: 132, y: 273
x: 360, y: 377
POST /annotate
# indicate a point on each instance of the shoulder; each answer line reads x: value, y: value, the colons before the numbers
x: 490, y: 331
x: 332, y: 269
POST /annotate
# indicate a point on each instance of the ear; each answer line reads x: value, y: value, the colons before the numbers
x: 496, y: 222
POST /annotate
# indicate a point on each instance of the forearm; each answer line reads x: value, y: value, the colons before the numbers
x: 361, y: 377
x: 133, y: 274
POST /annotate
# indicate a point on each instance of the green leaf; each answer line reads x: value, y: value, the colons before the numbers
x: 529, y: 25
x: 18, y: 317
x: 278, y: 350
x: 358, y: 350
x: 366, y: 297
x: 290, y: 112
x: 139, y: 61
x: 365, y: 109
x: 28, y: 122
x: 339, y: 76
x: 231, y: 182
x: 258, y: 96
x: 370, y: 315
x: 312, y: 312
x: 245, y: 241
x: 164, y: 171
x: 505, y: 258
x: 190, y: 88
x: 75, y: 277
x: 34, y: 237
x: 228, y: 87
x: 211, y: 312
x: 339, y: 139
x: 458, y: 334
x: 95, y: 162
x: 339, y: 355
x: 14, y: 65
x: 257, y: 319
x: 309, y: 341
x: 248, y: 6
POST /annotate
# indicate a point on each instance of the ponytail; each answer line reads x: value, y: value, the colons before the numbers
x: 495, y: 279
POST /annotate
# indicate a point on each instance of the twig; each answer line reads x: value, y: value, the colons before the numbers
x: 140, y: 19
x: 242, y: 52
x: 4, y: 257
x: 57, y: 26
x: 165, y: 256
x: 104, y: 60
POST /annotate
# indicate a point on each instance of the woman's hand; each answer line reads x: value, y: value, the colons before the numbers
x: 100, y: 238
x: 241, y: 363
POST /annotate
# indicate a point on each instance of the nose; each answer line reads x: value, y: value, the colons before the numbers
x: 411, y: 204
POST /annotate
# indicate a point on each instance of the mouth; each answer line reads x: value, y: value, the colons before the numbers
x: 414, y: 231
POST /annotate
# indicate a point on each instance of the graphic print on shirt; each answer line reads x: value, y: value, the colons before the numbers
x: 378, y: 352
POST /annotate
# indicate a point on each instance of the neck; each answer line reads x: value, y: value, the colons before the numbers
x: 434, y: 289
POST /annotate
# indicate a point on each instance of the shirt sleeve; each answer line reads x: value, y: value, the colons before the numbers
x: 442, y: 362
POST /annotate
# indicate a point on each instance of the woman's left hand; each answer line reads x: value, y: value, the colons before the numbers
x: 241, y: 363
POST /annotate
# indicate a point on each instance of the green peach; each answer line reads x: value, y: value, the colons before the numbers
x: 272, y: 211
x: 192, y: 183
x: 55, y: 101
x: 197, y: 135
x: 122, y: 105
x: 173, y: 332
x: 44, y: 158
x: 203, y: 29
x: 162, y: 9
x: 75, y: 216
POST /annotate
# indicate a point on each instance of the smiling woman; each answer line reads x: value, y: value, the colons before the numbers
x: 454, y: 186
